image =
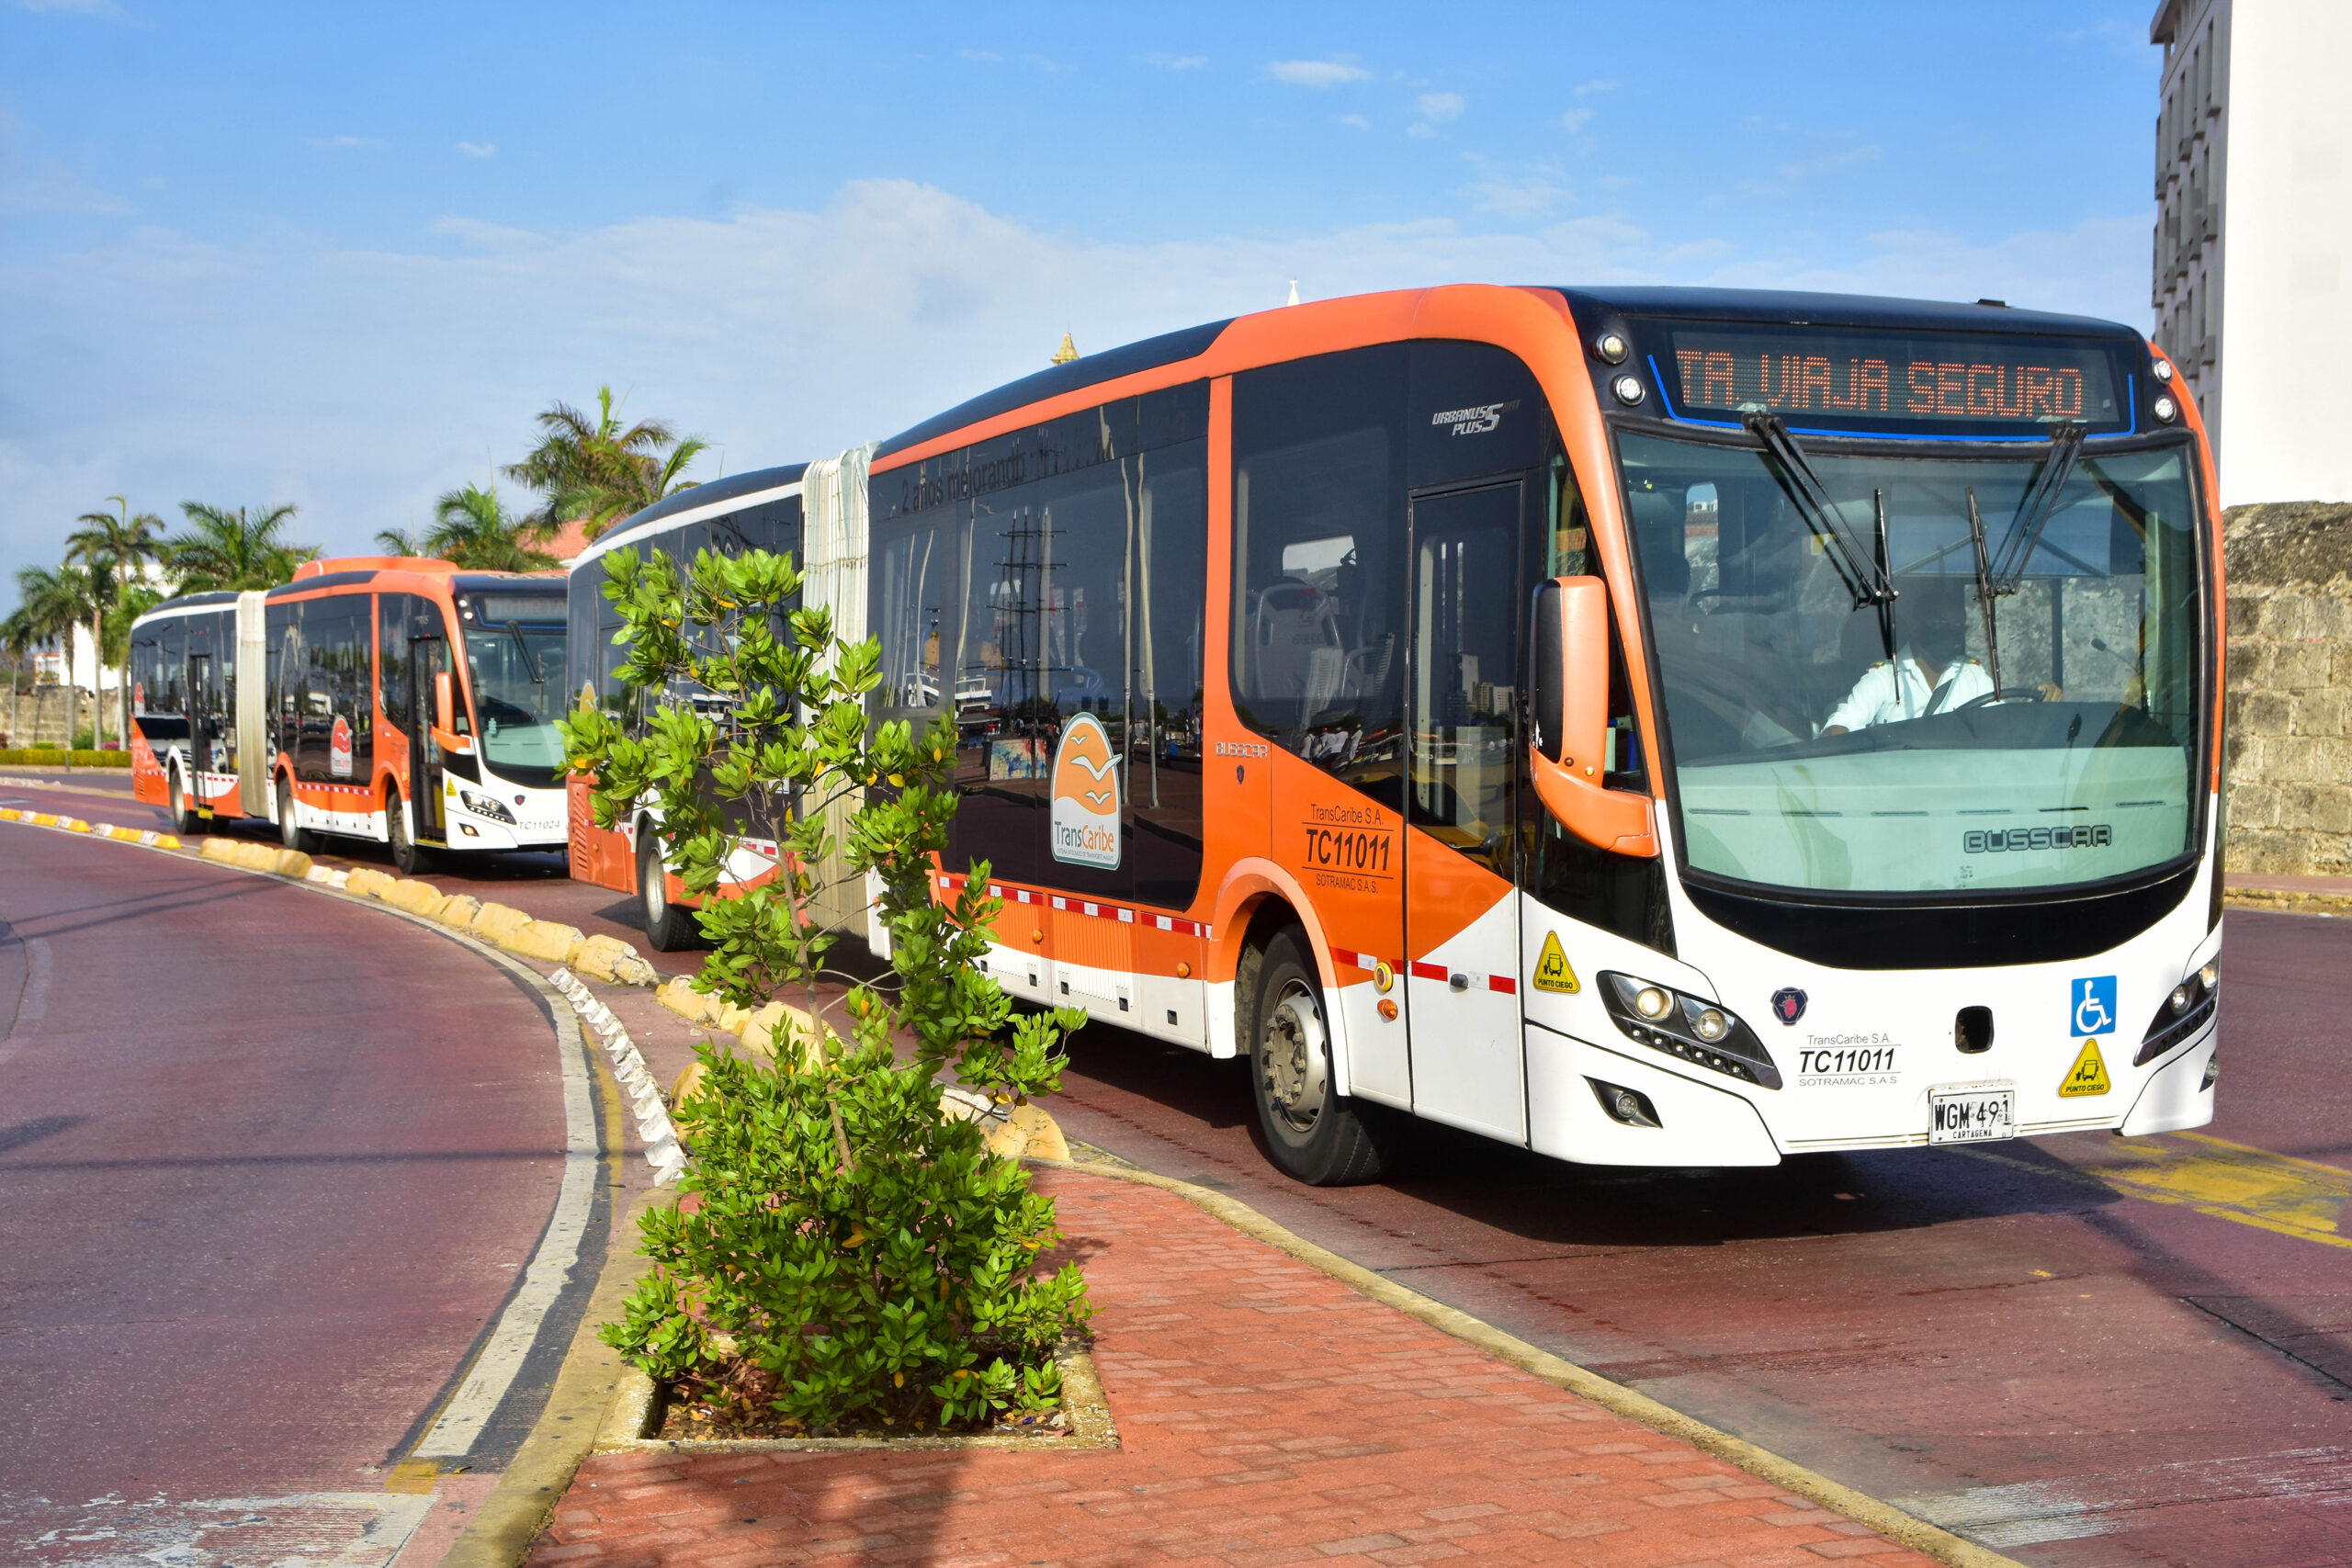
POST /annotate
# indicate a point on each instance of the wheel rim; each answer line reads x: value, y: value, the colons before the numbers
x: 656, y: 903
x: 1294, y: 1064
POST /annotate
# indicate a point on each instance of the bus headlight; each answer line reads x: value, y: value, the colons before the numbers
x: 2186, y: 1009
x: 1687, y: 1028
x: 484, y: 805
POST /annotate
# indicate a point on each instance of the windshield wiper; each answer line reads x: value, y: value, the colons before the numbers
x: 1867, y: 579
x: 1985, y: 590
x: 514, y: 631
x: 2038, y: 504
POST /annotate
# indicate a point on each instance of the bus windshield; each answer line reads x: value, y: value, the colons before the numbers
x: 1862, y: 696
x: 517, y: 669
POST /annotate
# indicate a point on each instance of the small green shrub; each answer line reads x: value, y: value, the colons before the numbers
x: 55, y: 757
x: 869, y: 1262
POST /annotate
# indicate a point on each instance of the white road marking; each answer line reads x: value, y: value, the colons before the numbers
x: 453, y: 1433
x: 2075, y: 1506
x: 315, y: 1529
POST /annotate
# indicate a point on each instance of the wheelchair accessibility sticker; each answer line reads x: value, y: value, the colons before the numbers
x: 2094, y: 1004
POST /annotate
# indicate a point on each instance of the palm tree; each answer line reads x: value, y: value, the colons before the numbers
x: 115, y: 546
x: 17, y: 640
x: 52, y: 604
x: 598, y: 473
x: 400, y: 541
x: 225, y: 549
x: 473, y: 528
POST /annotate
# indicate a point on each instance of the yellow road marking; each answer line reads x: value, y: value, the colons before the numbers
x: 2231, y: 1181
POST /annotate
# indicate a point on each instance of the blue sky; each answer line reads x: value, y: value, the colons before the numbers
x: 339, y: 256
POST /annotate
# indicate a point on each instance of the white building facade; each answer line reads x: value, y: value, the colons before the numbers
x: 2254, y: 232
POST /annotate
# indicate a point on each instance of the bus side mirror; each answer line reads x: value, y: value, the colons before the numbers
x: 1567, y: 688
x: 444, y: 702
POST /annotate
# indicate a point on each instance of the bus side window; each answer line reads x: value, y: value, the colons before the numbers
x: 147, y: 669
x: 393, y: 683
x: 1317, y: 658
x: 175, y: 639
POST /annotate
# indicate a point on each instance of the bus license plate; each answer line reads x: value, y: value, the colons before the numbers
x: 1974, y: 1113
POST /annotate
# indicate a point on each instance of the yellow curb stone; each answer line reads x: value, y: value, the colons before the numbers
x: 497, y: 922
x: 459, y: 909
x: 1029, y: 1131
x: 544, y: 940
x: 367, y: 882
x: 681, y: 997
x: 760, y: 1030
x: 257, y: 857
x: 609, y: 958
x: 416, y: 897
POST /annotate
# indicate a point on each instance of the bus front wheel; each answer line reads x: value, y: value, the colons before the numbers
x: 183, y: 818
x: 409, y: 857
x: 289, y: 833
x: 1315, y: 1134
x: 668, y: 927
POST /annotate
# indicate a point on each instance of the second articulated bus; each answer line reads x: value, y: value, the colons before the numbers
x: 1651, y: 727
x: 399, y: 700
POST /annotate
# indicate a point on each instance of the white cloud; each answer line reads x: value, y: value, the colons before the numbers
x: 1438, y: 108
x: 1602, y: 84
x: 980, y: 56
x: 1518, y: 198
x: 34, y: 183
x: 1177, y: 61
x: 1576, y: 119
x: 1357, y: 121
x: 362, y: 383
x: 479, y: 149
x: 341, y: 143
x: 1419, y: 131
x: 1788, y: 176
x: 1318, y: 73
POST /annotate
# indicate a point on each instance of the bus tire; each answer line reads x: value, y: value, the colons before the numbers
x: 670, y: 928
x: 292, y: 836
x: 409, y: 857
x: 183, y: 818
x: 1315, y: 1134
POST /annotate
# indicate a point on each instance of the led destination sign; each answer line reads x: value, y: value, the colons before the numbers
x: 1878, y: 381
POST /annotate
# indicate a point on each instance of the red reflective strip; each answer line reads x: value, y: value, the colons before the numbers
x: 1502, y: 983
x: 1430, y: 971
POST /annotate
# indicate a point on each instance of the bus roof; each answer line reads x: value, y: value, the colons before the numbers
x: 1795, y: 308
x: 1085, y: 371
x: 1788, y: 307
x: 188, y: 603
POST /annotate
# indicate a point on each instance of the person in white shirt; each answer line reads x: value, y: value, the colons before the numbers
x: 1930, y: 674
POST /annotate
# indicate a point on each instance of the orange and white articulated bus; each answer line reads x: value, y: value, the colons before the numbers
x: 374, y: 697
x: 761, y: 511
x: 1652, y: 727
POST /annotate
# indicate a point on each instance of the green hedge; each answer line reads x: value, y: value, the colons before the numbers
x: 50, y: 757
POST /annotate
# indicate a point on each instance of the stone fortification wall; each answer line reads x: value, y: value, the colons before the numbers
x: 2288, y: 740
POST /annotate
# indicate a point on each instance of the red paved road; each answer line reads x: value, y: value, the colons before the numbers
x: 2079, y: 1377
x: 272, y: 1162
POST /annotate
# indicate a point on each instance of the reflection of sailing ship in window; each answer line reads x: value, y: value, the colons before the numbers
x: 1026, y: 660
x: 908, y: 629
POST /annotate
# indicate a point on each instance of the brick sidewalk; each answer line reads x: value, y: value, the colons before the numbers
x: 1267, y: 1413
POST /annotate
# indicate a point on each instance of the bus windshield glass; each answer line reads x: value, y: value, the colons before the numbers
x: 516, y: 663
x: 1862, y: 696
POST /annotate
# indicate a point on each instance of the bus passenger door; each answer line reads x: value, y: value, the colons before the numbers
x: 1461, y: 912
x: 203, y: 727
x: 428, y: 657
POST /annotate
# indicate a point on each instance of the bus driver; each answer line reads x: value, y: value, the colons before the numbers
x: 1930, y: 674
